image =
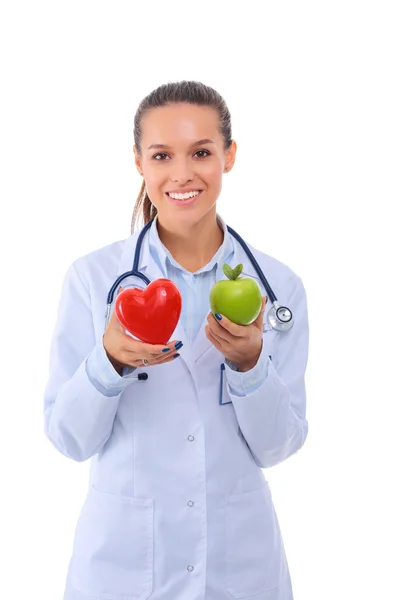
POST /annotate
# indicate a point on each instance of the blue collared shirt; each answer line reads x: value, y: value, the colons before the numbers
x: 195, y: 291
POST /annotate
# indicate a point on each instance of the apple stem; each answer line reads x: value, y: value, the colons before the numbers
x: 232, y: 273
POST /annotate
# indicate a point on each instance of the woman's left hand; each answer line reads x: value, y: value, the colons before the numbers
x: 241, y: 344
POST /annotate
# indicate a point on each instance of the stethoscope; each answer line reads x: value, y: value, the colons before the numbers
x: 279, y: 317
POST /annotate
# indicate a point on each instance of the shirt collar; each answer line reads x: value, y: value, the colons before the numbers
x: 161, y: 254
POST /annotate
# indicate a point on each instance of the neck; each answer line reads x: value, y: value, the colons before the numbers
x: 192, y: 246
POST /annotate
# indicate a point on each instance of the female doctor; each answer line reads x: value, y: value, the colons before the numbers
x: 178, y: 507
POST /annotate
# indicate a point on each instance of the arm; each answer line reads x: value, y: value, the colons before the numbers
x: 78, y: 417
x: 271, y: 411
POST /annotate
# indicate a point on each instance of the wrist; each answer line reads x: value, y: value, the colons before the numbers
x: 247, y: 366
x: 118, y: 366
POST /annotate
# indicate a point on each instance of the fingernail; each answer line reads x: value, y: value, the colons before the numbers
x: 178, y: 345
x: 218, y: 316
x: 166, y: 350
x: 176, y: 355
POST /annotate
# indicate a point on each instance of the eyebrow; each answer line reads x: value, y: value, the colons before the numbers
x: 199, y: 143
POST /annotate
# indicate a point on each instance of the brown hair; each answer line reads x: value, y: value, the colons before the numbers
x: 191, y: 92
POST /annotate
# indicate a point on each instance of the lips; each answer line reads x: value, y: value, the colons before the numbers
x: 185, y: 202
x: 181, y: 192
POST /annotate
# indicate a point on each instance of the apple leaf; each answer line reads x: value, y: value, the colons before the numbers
x: 228, y: 271
x: 232, y: 273
x: 237, y: 270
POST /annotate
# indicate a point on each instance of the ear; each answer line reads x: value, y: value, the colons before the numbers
x: 230, y: 156
x: 138, y: 161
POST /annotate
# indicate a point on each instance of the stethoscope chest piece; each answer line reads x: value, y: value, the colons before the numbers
x: 280, y: 317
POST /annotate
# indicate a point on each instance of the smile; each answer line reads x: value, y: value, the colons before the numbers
x: 184, y: 196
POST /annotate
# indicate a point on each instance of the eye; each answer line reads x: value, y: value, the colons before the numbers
x: 207, y: 153
x: 163, y: 154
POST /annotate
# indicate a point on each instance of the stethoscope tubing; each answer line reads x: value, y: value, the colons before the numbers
x: 136, y: 273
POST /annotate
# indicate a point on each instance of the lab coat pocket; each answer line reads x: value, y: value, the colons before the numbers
x: 255, y: 556
x: 113, y: 547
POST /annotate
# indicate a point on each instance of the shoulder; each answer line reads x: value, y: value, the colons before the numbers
x: 275, y: 265
x: 271, y: 260
x: 284, y: 281
x: 101, y: 261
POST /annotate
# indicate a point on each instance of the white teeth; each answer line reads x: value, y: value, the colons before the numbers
x: 183, y: 196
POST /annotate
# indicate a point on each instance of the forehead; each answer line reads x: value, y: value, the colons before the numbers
x: 181, y: 123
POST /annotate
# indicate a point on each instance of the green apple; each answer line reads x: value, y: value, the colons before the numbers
x: 239, y: 299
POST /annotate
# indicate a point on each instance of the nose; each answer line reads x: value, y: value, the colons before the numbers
x: 182, y: 171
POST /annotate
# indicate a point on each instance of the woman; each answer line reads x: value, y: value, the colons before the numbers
x: 178, y: 507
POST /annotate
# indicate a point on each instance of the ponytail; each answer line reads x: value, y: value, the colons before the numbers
x: 143, y: 202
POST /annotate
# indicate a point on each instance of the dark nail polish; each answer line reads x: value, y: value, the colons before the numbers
x: 178, y: 345
x: 218, y: 316
x: 166, y: 350
x: 176, y: 355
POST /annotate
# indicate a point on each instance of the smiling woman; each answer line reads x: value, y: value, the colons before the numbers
x: 183, y: 146
x: 178, y: 506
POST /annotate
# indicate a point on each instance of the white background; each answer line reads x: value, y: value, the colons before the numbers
x: 313, y: 88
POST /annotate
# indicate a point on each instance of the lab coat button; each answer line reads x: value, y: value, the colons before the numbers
x: 190, y: 503
x: 190, y: 438
x: 190, y: 568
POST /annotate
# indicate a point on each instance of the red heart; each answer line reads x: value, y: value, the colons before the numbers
x: 150, y: 314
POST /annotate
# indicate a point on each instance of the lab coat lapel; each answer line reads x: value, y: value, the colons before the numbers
x: 201, y: 343
x: 126, y: 260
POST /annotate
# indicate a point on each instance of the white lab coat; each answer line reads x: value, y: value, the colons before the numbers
x: 178, y: 507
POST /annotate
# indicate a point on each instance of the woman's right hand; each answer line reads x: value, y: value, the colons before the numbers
x: 124, y: 351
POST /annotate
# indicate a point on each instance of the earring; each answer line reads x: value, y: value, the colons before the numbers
x: 151, y: 210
